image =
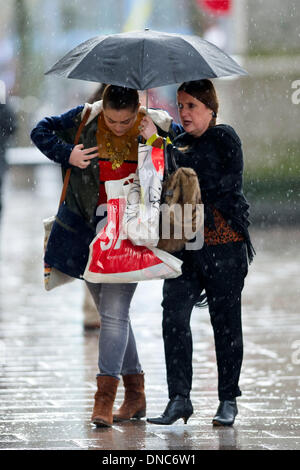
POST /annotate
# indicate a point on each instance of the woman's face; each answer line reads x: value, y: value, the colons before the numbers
x: 119, y: 121
x: 194, y: 115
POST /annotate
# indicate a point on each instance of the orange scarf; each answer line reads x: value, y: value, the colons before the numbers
x: 118, y: 148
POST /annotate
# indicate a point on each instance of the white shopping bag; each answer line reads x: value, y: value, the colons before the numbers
x: 141, y: 217
x: 113, y: 258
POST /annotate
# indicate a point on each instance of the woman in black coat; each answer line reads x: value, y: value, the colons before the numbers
x: 219, y: 267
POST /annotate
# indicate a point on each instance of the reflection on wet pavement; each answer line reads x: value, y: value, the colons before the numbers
x: 48, y: 363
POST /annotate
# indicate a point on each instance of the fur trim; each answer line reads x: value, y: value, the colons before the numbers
x: 95, y: 108
x: 160, y: 117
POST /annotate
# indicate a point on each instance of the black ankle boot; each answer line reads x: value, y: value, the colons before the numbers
x: 178, y: 407
x: 226, y: 413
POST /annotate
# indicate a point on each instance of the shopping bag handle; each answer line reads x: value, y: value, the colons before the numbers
x: 68, y: 172
x: 128, y: 178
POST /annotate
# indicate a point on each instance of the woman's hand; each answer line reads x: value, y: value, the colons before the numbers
x: 81, y: 157
x: 147, y: 127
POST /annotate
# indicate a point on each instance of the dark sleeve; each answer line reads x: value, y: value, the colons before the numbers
x: 46, y: 136
x: 216, y: 157
x: 229, y: 147
x: 227, y: 141
x: 176, y: 129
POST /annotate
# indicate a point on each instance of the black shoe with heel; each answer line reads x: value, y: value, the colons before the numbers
x: 178, y: 407
x: 226, y: 413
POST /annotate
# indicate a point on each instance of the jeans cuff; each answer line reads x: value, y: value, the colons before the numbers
x: 107, y: 375
x: 132, y: 371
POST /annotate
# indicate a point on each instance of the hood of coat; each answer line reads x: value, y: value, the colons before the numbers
x: 160, y: 117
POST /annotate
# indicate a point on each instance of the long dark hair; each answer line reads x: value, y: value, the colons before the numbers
x: 118, y: 97
x: 204, y: 91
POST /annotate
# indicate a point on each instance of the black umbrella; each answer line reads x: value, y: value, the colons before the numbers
x: 145, y: 59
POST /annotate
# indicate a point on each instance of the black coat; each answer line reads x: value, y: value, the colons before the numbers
x: 217, y: 158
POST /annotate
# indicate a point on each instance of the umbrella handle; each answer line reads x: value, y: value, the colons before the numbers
x: 147, y: 99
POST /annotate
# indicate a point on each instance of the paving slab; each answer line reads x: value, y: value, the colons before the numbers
x: 48, y: 362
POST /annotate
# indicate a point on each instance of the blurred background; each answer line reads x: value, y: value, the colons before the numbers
x: 43, y: 351
x: 262, y: 35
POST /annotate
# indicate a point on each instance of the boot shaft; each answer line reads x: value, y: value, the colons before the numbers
x: 104, y: 400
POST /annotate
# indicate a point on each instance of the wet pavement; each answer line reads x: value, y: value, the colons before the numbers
x: 48, y: 362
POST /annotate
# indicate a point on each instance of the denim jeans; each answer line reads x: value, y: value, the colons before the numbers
x: 117, y: 347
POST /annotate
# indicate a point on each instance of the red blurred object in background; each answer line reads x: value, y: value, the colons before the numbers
x: 217, y: 7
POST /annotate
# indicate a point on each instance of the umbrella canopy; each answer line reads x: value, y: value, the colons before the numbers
x: 145, y: 59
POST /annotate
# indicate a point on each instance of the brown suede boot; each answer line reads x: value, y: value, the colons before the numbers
x: 134, y: 404
x: 104, y: 400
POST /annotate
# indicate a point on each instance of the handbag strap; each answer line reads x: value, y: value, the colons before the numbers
x: 68, y: 172
x: 168, y: 152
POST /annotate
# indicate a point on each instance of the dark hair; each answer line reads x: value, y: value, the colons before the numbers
x: 119, y: 97
x: 204, y: 91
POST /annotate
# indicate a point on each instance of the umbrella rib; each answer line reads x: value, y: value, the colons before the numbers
x: 212, y: 70
x: 58, y: 63
x: 88, y: 52
x: 224, y: 55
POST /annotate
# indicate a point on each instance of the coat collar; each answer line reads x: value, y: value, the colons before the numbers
x: 160, y: 117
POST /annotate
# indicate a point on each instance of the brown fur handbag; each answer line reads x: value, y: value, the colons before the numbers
x: 181, y: 208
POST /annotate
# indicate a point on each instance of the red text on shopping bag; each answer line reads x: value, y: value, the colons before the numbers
x: 111, y: 252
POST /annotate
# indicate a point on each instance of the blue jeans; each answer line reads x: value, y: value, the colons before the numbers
x: 117, y: 347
